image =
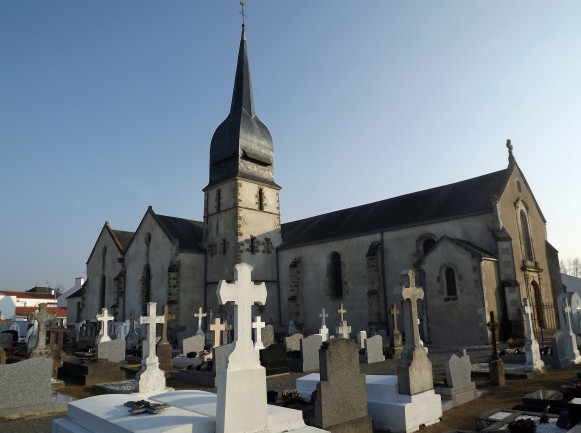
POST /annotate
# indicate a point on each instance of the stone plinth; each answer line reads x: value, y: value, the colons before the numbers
x: 111, y: 350
x: 164, y: 355
x: 92, y: 372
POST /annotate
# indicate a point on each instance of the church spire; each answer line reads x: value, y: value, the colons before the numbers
x: 242, y: 95
x: 242, y: 145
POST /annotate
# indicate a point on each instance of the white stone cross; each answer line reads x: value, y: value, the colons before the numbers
x: 571, y: 338
x: 323, y: 316
x: 412, y: 294
x: 533, y: 361
x: 244, y: 293
x: 526, y: 311
x: 217, y: 327
x: 151, y: 320
x: 344, y: 330
x: 341, y: 312
x: 104, y: 318
x: 258, y: 325
x: 200, y: 315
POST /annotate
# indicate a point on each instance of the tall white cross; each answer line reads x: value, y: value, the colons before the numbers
x: 341, y: 312
x: 104, y: 318
x: 323, y: 316
x: 244, y: 293
x: 200, y: 315
x: 217, y: 327
x: 528, y: 319
x: 258, y: 325
x: 151, y: 320
x: 344, y: 330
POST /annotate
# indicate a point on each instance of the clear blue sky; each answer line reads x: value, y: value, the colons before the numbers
x: 109, y: 106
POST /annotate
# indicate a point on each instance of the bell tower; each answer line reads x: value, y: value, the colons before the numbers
x: 241, y: 208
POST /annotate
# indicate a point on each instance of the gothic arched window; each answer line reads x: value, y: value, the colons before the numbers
x: 102, y: 292
x: 335, y: 275
x: 145, y: 288
x: 526, y: 236
x: 428, y: 245
x: 450, y: 276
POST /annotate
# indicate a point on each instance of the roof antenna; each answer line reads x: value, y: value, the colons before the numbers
x: 242, y: 4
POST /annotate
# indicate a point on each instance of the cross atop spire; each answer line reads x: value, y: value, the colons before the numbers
x: 242, y: 4
x: 511, y: 159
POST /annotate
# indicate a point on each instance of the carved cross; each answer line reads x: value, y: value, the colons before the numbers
x: 151, y: 320
x: 411, y: 295
x: 217, y: 327
x: 394, y: 313
x: 341, y: 312
x: 167, y: 317
x: 41, y: 316
x: 526, y: 310
x: 258, y: 325
x: 567, y: 310
x: 244, y: 293
x: 492, y: 325
x: 323, y: 316
x: 200, y: 315
x: 344, y: 330
x: 104, y: 318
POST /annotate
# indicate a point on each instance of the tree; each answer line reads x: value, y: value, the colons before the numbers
x: 571, y: 267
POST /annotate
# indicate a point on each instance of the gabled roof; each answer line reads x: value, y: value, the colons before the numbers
x: 461, y: 243
x: 121, y: 239
x: 461, y: 199
x: 188, y: 233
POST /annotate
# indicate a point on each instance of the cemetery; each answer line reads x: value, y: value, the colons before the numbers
x: 232, y: 366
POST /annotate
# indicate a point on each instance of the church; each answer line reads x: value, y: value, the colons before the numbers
x: 478, y: 245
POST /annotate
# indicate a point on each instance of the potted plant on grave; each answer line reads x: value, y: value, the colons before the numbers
x: 522, y: 426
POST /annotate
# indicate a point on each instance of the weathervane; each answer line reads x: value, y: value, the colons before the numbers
x: 242, y: 4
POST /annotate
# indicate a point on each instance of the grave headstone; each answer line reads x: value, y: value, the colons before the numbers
x: 310, y: 347
x: 193, y: 344
x: 150, y: 378
x: 200, y: 316
x: 341, y: 393
x: 293, y: 342
x: 242, y: 384
x: 268, y: 335
x: 41, y: 316
x: 163, y: 347
x: 532, y: 351
x: 374, y: 349
x: 133, y: 339
x: 323, y: 331
x: 460, y: 389
x: 571, y: 349
x: 112, y: 350
x: 558, y: 345
x: 258, y: 325
x: 104, y: 318
x: 496, y: 365
x: 361, y: 337
x: 217, y: 328
x: 414, y: 371
x: 227, y: 333
x: 395, y: 339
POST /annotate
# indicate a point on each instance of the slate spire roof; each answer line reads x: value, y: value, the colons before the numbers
x: 242, y: 145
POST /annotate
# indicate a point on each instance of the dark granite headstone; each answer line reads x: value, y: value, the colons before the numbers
x: 89, y: 373
x: 273, y: 358
x: 341, y: 402
x: 164, y: 354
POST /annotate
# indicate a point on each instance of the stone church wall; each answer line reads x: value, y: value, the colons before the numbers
x: 191, y: 290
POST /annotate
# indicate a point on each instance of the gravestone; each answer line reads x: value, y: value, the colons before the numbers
x: 310, y: 347
x: 323, y: 331
x: 217, y: 328
x: 150, y: 378
x: 112, y: 350
x: 293, y: 343
x: 361, y: 337
x: 41, y: 316
x: 414, y: 371
x: 242, y: 384
x: 374, y: 349
x: 200, y: 316
x: 341, y: 393
x: 571, y: 350
x: 533, y: 355
x: 227, y: 333
x: 56, y: 338
x: 104, y: 318
x: 268, y: 336
x: 395, y: 339
x: 496, y: 365
x: 258, y: 325
x: 133, y: 339
x: 193, y: 344
x: 560, y: 356
x: 163, y: 347
x: 460, y: 389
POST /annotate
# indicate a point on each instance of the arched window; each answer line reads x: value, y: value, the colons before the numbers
x: 335, y: 275
x: 428, y: 245
x: 526, y: 236
x: 218, y: 200
x: 103, y: 258
x: 260, y: 199
x: 538, y: 304
x: 450, y: 275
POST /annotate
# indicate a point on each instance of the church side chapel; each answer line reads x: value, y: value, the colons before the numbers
x: 477, y: 245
